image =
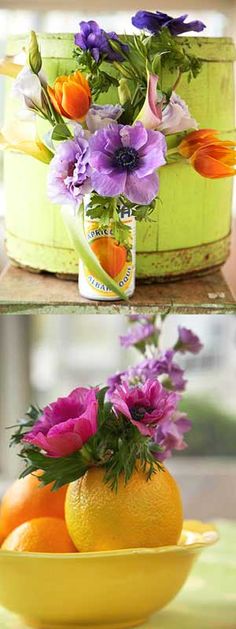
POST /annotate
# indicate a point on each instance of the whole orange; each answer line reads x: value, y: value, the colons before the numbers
x: 41, y: 535
x: 143, y: 513
x: 25, y: 499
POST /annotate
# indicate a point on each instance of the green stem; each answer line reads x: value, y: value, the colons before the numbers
x: 177, y: 80
x: 114, y: 206
x: 173, y: 151
x: 75, y: 226
x: 128, y: 74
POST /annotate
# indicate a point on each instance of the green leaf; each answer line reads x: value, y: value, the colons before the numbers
x: 58, y: 471
x: 24, y: 425
x: 61, y: 132
x: 75, y: 227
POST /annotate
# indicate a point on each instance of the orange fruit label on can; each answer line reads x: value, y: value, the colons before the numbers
x: 116, y: 259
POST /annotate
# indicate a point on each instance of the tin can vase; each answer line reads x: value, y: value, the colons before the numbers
x: 115, y: 258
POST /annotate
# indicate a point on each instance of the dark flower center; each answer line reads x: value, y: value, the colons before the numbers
x: 126, y: 158
x: 138, y: 412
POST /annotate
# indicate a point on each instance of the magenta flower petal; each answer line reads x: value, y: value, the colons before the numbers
x: 145, y: 405
x: 66, y: 424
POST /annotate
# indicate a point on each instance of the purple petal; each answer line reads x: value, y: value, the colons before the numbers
x: 135, y: 136
x: 109, y: 186
x: 139, y: 192
x: 102, y: 162
x: 149, y: 163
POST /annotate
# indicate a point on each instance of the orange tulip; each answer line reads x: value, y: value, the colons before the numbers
x: 209, y: 156
x: 71, y: 96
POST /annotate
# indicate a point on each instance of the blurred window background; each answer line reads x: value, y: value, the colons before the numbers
x: 43, y: 357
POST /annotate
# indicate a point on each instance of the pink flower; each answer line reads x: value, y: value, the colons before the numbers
x: 151, y: 112
x: 173, y: 117
x: 145, y: 406
x: 66, y: 424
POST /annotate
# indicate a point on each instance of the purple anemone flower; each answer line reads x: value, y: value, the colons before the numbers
x: 93, y: 38
x: 69, y: 177
x: 154, y: 22
x: 137, y: 335
x: 170, y: 434
x: 188, y: 342
x: 66, y: 424
x: 125, y: 159
x: 145, y: 406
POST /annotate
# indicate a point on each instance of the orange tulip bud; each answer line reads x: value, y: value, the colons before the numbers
x: 71, y: 96
x: 209, y: 156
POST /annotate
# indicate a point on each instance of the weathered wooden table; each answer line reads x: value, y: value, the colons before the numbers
x: 23, y: 292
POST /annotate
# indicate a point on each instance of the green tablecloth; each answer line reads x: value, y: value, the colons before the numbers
x: 208, y: 600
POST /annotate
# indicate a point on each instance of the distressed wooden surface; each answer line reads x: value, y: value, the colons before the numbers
x: 22, y: 292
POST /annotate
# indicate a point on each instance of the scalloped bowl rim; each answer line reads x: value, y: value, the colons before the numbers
x: 209, y: 537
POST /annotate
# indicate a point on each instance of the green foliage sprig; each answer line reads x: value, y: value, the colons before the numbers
x: 108, y: 209
x: 99, y: 79
x: 153, y: 53
x: 173, y: 54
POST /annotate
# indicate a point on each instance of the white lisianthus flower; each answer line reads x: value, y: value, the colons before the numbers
x: 28, y: 88
x: 100, y: 116
x: 176, y: 117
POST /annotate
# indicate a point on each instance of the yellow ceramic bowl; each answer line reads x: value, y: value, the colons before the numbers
x: 100, y: 590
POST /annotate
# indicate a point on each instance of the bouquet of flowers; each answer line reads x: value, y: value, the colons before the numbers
x: 108, y: 129
x: 115, y: 437
x: 135, y: 416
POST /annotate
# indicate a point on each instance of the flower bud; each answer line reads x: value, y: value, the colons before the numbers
x: 34, y: 56
x: 124, y: 91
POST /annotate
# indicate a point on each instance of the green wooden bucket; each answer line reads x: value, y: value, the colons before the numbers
x: 190, y: 232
